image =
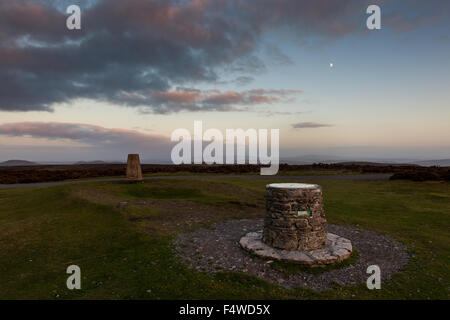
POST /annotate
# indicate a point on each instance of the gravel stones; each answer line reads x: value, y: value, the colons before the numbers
x: 217, y: 249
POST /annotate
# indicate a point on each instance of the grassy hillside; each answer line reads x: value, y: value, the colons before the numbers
x: 125, y: 251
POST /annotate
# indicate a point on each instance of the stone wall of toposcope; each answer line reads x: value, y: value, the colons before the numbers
x: 295, y: 219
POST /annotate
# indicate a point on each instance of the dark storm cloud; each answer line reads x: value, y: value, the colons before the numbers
x: 144, y: 49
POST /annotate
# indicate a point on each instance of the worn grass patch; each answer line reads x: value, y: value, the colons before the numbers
x: 162, y: 193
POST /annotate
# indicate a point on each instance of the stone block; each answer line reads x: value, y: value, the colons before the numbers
x: 134, y: 171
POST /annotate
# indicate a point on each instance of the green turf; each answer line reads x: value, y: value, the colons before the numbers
x: 42, y: 231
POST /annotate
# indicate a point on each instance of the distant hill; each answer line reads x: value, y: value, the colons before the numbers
x: 439, y: 163
x: 311, y: 159
x: 91, y: 162
x: 11, y: 163
x: 376, y: 164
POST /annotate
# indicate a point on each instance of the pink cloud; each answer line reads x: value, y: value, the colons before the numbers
x: 213, y: 99
x: 86, y: 133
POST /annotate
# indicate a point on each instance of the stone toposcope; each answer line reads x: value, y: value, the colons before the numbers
x: 134, y: 171
x: 295, y: 228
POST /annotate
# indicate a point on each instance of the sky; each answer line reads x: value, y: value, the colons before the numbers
x: 139, y: 69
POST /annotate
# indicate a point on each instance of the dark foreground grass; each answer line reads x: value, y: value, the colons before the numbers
x: 43, y: 231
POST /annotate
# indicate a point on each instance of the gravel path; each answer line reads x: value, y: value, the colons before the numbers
x: 365, y: 177
x: 217, y: 249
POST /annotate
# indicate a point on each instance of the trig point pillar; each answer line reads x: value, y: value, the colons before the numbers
x: 134, y: 171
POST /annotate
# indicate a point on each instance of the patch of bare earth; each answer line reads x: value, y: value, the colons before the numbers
x: 168, y: 217
x: 171, y: 217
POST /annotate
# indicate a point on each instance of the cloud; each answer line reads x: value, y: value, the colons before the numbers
x: 417, y: 14
x: 270, y: 113
x: 141, y: 48
x: 309, y: 125
x: 277, y: 56
x: 91, y: 135
x: 243, y: 80
x: 192, y: 99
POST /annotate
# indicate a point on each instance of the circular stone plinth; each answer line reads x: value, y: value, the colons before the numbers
x: 336, y: 250
x: 293, y: 186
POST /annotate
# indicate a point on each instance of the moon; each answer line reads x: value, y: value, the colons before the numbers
x: 331, y: 65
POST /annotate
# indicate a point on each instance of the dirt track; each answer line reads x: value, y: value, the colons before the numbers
x: 365, y: 177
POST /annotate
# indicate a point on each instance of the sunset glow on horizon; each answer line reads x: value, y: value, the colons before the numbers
x: 137, y: 70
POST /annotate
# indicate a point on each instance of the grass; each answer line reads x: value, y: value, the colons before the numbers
x: 190, y: 173
x: 127, y: 254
